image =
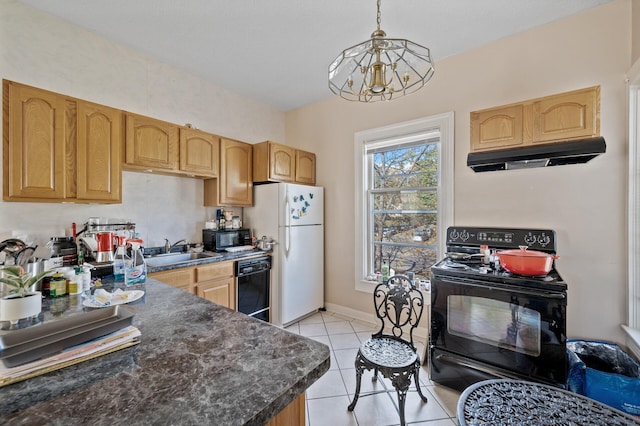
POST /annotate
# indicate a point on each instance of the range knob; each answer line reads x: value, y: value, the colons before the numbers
x: 544, y: 240
x: 464, y: 235
x: 530, y: 239
x: 454, y: 235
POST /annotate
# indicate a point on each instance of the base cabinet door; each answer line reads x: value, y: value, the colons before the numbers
x: 220, y: 291
x: 293, y: 414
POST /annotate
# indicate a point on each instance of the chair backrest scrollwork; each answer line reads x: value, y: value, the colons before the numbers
x: 398, y: 304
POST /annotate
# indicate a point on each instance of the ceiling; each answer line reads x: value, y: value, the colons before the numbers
x: 277, y: 52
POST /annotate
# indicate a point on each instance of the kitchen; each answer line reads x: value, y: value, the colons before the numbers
x: 584, y: 204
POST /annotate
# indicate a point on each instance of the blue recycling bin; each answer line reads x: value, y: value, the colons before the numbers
x: 604, y: 372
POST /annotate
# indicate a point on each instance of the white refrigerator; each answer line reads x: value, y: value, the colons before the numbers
x: 293, y: 216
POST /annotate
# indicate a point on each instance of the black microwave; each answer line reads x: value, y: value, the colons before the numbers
x: 220, y: 240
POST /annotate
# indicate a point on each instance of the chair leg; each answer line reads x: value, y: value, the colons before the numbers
x: 359, y: 371
x: 402, y: 396
x: 375, y: 375
x: 417, y: 380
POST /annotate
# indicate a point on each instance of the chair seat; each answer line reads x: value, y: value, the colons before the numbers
x: 388, y: 352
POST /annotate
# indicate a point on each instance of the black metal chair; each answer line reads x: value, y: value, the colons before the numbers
x: 391, y: 351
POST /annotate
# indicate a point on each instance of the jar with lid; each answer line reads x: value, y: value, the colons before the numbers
x: 58, y: 285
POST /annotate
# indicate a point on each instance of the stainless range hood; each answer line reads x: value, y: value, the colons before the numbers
x: 555, y: 154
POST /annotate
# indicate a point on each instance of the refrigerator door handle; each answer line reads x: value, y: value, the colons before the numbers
x: 288, y: 225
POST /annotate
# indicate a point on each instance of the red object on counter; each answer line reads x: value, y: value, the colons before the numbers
x: 526, y: 262
x: 73, y: 230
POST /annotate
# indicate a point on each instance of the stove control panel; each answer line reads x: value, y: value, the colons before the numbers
x: 504, y: 238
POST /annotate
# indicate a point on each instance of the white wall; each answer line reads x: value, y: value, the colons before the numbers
x: 43, y: 51
x: 585, y: 203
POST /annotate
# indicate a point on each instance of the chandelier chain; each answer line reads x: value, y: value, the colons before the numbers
x: 378, y: 17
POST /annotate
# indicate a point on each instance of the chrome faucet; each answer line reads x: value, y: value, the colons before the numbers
x: 168, y: 246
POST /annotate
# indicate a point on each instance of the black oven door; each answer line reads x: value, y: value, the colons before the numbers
x: 500, y: 327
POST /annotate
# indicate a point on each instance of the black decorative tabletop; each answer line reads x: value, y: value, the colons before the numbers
x: 516, y: 402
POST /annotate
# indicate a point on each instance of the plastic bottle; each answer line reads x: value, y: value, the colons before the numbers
x: 385, y: 271
x: 121, y: 262
x: 137, y: 273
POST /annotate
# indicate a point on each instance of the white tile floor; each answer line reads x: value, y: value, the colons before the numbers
x: 328, y: 398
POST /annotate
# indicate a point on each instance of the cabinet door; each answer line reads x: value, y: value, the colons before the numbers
x: 33, y: 159
x: 567, y: 116
x: 497, y: 128
x: 183, y: 278
x: 235, y: 183
x: 151, y: 143
x: 305, y: 167
x: 282, y: 162
x: 199, y: 152
x: 222, y: 292
x: 98, y: 152
x: 214, y: 271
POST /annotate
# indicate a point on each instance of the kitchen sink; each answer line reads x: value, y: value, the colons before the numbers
x: 173, y: 258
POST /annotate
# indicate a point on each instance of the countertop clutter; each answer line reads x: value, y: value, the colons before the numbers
x: 197, y: 363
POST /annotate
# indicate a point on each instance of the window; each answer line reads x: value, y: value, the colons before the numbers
x: 633, y: 329
x: 404, y: 187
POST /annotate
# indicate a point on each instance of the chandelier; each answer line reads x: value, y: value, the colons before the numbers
x: 380, y: 68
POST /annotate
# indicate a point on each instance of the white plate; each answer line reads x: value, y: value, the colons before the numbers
x: 121, y: 299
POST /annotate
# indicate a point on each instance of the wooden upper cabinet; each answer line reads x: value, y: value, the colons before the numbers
x: 199, y: 152
x: 58, y: 148
x: 274, y: 162
x: 98, y: 152
x: 555, y: 118
x: 567, y: 116
x: 497, y: 128
x: 234, y: 185
x: 33, y: 129
x: 305, y: 167
x: 151, y: 143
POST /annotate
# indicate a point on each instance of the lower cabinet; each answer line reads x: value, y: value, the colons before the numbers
x: 214, y: 282
x: 182, y: 278
x: 291, y: 415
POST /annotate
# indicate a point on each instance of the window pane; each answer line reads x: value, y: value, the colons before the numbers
x: 399, y: 202
x: 418, y: 229
x: 412, y: 167
x: 406, y: 259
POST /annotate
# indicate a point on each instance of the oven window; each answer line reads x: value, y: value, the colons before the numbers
x: 494, y: 322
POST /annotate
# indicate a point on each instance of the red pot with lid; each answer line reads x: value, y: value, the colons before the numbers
x: 526, y: 262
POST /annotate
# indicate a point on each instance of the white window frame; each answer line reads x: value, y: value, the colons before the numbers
x: 633, y: 212
x: 444, y: 123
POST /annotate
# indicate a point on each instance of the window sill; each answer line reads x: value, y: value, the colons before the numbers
x: 633, y: 340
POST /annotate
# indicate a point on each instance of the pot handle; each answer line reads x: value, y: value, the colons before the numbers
x: 523, y: 248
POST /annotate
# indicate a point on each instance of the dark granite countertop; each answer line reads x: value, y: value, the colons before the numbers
x: 197, y: 363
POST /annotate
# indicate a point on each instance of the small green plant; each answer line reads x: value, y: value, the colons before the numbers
x: 19, y: 281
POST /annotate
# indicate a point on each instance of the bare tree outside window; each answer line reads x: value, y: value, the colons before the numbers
x: 403, y: 200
